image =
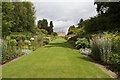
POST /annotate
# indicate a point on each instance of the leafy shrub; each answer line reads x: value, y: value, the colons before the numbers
x: 115, y: 60
x: 81, y: 43
x: 20, y: 36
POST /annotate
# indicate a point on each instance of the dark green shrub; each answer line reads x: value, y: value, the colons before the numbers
x: 115, y: 61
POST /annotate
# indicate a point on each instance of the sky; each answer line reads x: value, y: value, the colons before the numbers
x: 64, y: 13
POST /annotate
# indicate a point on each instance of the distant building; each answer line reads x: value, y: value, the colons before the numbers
x: 61, y: 34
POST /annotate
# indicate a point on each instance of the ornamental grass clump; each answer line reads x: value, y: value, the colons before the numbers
x: 95, y: 53
x: 102, y: 47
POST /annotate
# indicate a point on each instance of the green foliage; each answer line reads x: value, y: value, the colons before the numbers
x: 82, y: 43
x: 7, y: 17
x: 44, y: 31
x: 43, y: 24
x: 71, y: 30
x: 20, y: 36
x: 106, y: 20
x: 54, y: 34
x: 51, y: 27
x: 79, y: 24
x: 17, y: 17
x: 9, y: 49
x: 115, y: 60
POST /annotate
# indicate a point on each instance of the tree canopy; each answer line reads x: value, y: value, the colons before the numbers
x: 17, y: 17
x: 43, y: 24
x: 106, y: 20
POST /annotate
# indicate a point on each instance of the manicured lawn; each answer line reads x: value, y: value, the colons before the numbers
x: 56, y: 60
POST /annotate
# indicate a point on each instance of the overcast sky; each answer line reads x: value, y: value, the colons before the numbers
x: 64, y: 13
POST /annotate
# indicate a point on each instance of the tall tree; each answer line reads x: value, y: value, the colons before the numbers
x: 111, y: 12
x: 79, y: 24
x: 51, y: 27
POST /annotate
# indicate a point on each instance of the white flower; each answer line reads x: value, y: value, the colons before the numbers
x: 32, y: 39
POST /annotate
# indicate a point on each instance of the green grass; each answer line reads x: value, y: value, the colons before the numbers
x: 56, y: 60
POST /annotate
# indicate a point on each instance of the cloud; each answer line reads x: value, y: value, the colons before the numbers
x: 64, y: 14
x: 62, y: 25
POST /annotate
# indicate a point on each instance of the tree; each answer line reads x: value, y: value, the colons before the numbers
x: 106, y: 20
x: 79, y: 24
x: 7, y: 18
x: 51, y: 27
x: 111, y: 12
x: 17, y: 17
x: 71, y: 30
x: 43, y: 24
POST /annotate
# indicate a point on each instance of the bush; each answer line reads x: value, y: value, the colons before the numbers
x: 82, y: 43
x: 115, y: 60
